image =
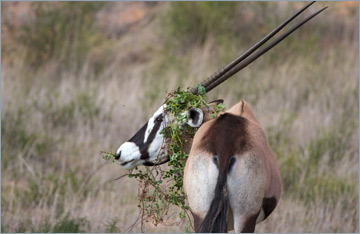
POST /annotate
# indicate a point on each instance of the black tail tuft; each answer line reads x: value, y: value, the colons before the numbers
x: 216, y: 218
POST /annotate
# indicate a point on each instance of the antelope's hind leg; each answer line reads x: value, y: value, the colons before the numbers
x: 246, y: 185
x: 199, y: 183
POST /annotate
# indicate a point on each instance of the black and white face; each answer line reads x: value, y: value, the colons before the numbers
x: 147, y: 147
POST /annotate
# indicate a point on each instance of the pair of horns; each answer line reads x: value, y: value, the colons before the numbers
x: 248, y: 57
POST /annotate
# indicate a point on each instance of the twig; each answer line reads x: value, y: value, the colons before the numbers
x: 121, y: 176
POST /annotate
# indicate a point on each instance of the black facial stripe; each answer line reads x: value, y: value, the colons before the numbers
x: 147, y: 163
x: 159, y: 118
x: 139, y: 137
x: 153, y: 132
x: 144, y: 153
x: 124, y: 163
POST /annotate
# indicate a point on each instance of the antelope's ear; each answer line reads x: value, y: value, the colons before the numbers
x: 195, y: 117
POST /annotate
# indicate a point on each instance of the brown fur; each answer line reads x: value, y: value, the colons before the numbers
x: 252, y: 179
x: 187, y: 138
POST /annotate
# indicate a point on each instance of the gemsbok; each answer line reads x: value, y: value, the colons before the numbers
x: 230, y: 162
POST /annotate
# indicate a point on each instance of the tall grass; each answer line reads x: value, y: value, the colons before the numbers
x: 55, y: 121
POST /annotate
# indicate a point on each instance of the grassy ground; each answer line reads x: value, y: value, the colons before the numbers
x: 63, y: 103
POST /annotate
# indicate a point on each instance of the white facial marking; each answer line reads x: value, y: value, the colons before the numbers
x: 133, y: 164
x: 149, y: 128
x: 130, y: 154
x: 151, y: 122
x: 155, y: 146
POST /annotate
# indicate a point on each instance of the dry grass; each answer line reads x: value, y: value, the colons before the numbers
x: 54, y: 124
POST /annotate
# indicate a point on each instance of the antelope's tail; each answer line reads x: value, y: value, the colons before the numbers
x: 216, y: 218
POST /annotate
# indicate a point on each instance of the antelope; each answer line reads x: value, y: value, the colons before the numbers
x: 230, y: 161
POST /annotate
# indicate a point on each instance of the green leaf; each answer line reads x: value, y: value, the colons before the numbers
x: 201, y: 89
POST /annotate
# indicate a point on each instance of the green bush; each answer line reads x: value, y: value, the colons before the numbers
x: 71, y: 225
x: 44, y: 188
x: 190, y: 23
x: 237, y: 25
x: 44, y: 227
x: 17, y: 137
x: 66, y: 224
x: 14, y: 135
x: 22, y: 228
x: 81, y: 107
x: 229, y: 23
x: 111, y: 227
x: 60, y: 30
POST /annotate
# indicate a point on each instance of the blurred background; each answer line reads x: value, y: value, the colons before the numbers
x: 82, y: 77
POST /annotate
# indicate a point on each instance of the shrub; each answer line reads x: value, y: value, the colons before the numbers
x: 64, y: 225
x: 111, y: 227
x: 189, y: 23
x: 61, y: 30
x: 71, y: 225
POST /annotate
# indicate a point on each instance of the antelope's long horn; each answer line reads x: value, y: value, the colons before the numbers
x: 217, y: 75
x: 253, y: 57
